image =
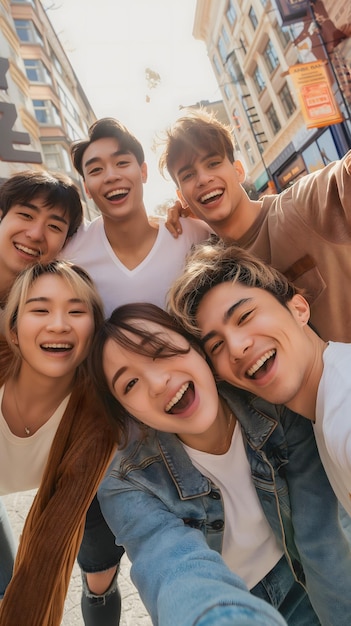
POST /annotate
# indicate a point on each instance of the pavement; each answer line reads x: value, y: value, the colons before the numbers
x: 133, y: 611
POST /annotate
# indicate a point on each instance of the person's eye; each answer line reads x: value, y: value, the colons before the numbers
x: 56, y: 228
x: 245, y: 316
x: 215, y: 163
x: 186, y: 176
x: 130, y: 385
x: 26, y: 216
x: 123, y: 163
x: 95, y: 170
x: 78, y: 312
x: 40, y: 311
x: 215, y: 347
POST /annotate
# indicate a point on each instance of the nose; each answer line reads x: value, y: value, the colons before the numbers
x: 36, y: 230
x: 111, y: 173
x: 203, y: 177
x: 238, y: 344
x: 58, y: 322
x: 158, y: 378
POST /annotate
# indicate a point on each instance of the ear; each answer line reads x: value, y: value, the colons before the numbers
x: 14, y: 338
x: 87, y: 190
x: 186, y: 210
x: 143, y: 168
x: 240, y: 172
x: 300, y: 309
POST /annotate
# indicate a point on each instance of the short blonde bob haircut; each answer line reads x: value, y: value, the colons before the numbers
x: 75, y: 276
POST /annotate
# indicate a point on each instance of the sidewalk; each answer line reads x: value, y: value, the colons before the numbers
x: 133, y: 611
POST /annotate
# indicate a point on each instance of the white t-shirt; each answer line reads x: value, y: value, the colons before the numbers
x: 250, y: 548
x: 333, y: 419
x: 23, y: 459
x: 150, y: 280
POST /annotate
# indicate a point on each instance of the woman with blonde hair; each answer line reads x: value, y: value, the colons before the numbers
x: 53, y: 434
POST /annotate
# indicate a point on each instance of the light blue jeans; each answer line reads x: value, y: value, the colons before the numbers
x: 8, y: 548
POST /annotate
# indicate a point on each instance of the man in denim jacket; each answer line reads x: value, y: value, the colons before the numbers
x: 157, y: 476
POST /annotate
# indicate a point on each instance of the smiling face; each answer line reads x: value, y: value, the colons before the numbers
x: 256, y: 343
x: 54, y: 329
x: 211, y: 185
x: 113, y: 178
x: 30, y: 233
x: 174, y: 394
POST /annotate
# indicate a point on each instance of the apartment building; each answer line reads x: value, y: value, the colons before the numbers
x: 43, y: 107
x: 251, y: 49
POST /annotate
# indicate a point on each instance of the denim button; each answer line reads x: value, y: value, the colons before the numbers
x: 218, y: 524
x: 214, y: 495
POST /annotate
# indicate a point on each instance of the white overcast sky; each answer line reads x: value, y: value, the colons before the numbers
x: 110, y: 43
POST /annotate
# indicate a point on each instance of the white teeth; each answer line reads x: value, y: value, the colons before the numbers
x: 177, y: 397
x: 27, y: 250
x: 65, y: 346
x: 117, y: 192
x: 256, y: 366
x: 210, y: 195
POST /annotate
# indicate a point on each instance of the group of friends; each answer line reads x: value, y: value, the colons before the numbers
x: 178, y: 390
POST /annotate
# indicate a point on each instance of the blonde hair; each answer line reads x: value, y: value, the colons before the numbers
x: 75, y: 276
x: 212, y: 264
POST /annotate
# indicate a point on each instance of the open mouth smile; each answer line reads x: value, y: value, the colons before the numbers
x: 262, y: 365
x: 57, y: 347
x: 181, y: 400
x: 211, y: 196
x: 117, y: 194
x: 30, y: 251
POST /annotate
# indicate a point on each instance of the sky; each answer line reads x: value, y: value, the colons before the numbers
x: 111, y: 43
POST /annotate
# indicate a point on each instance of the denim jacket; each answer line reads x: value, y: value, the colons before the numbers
x: 152, y: 489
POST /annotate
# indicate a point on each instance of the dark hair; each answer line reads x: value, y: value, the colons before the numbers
x: 198, y: 131
x: 126, y: 319
x: 54, y: 188
x: 104, y: 128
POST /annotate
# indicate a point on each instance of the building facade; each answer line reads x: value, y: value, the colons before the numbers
x: 43, y: 107
x: 251, y: 45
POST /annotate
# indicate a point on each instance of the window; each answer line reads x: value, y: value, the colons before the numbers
x: 249, y: 153
x: 56, y: 158
x: 31, y: 2
x: 270, y: 57
x: 258, y: 80
x: 231, y: 12
x: 253, y: 18
x: 56, y: 63
x: 27, y: 32
x: 217, y: 65
x: 283, y: 34
x: 273, y: 119
x: 71, y: 132
x: 227, y: 91
x: 225, y: 35
x: 46, y: 112
x: 37, y: 72
x: 222, y: 49
x: 234, y: 69
x: 236, y: 120
x: 287, y: 100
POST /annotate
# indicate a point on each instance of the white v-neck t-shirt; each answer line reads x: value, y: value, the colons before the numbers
x: 23, y: 459
x: 150, y: 280
x: 250, y: 548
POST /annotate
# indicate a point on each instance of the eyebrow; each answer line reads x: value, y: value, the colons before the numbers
x: 35, y: 208
x: 226, y: 317
x: 119, y: 373
x: 188, y: 165
x: 44, y: 299
x: 97, y: 159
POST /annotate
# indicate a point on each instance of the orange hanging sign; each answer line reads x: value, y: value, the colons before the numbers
x: 315, y: 94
